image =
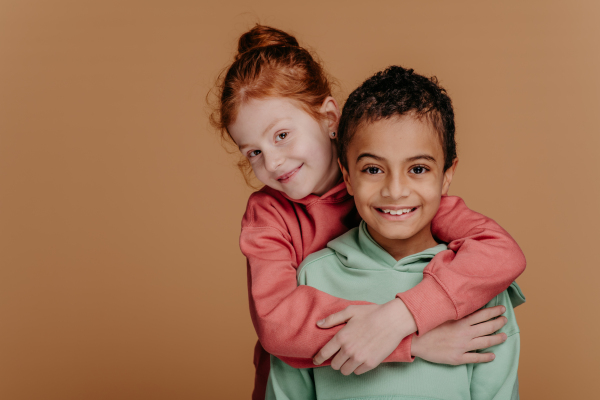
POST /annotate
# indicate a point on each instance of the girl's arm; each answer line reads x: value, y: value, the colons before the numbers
x: 482, y: 261
x: 486, y: 261
x: 284, y: 314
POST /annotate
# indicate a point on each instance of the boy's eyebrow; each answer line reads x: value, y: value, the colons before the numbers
x: 369, y: 155
x: 421, y: 157
x: 413, y: 158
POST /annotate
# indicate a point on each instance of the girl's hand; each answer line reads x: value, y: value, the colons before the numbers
x: 451, y: 342
x: 372, y: 333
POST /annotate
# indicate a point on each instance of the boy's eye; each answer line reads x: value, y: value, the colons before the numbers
x: 419, y: 169
x: 281, y: 136
x: 372, y: 170
x: 253, y: 153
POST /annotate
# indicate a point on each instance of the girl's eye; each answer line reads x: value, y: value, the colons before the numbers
x: 372, y: 170
x: 281, y: 136
x: 253, y: 153
x: 418, y: 170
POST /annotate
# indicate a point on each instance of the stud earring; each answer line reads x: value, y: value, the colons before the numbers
x: 332, y: 135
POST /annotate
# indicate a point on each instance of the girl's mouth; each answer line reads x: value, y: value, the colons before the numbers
x: 397, y: 214
x: 287, y: 176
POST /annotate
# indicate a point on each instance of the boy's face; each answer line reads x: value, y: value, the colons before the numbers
x: 396, y: 175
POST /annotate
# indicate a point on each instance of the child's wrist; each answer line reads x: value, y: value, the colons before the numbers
x: 404, y: 317
x: 414, y: 346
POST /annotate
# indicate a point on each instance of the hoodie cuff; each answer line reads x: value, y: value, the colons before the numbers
x: 429, y: 304
x: 402, y: 352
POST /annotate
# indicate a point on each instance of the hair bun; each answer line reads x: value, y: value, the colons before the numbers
x: 262, y: 36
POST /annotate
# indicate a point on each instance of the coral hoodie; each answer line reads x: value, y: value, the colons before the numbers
x: 278, y: 233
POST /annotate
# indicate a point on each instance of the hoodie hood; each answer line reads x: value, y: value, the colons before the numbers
x: 356, y: 249
x: 336, y: 194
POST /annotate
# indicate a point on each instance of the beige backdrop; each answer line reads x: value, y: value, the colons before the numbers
x: 120, y: 273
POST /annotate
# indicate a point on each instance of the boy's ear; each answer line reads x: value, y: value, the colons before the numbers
x: 448, y: 175
x: 346, y: 178
x: 330, y: 109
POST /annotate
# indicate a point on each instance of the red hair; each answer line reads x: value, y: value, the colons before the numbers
x: 269, y: 63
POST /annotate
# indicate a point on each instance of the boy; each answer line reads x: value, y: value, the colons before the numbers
x: 397, y: 153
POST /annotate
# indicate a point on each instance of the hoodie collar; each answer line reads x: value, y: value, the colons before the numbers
x: 357, y: 249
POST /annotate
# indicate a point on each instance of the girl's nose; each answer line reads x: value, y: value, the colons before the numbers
x: 273, y: 160
x: 395, y: 188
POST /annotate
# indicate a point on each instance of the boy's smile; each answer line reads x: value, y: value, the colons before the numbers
x: 396, y: 175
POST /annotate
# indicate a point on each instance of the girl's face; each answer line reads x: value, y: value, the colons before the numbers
x: 288, y: 149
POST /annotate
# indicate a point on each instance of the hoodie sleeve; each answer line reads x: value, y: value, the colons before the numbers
x: 497, y: 380
x: 287, y: 383
x: 482, y: 261
x: 285, y: 314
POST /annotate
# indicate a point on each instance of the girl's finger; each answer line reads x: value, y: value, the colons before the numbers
x: 364, y: 367
x: 335, y: 319
x: 340, y: 359
x: 327, y: 351
x: 477, y: 358
x: 488, y: 327
x: 486, y: 341
x: 483, y: 315
x: 349, y: 366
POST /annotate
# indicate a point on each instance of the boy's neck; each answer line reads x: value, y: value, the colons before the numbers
x: 400, y: 248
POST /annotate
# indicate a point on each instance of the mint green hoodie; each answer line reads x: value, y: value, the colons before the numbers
x: 355, y: 267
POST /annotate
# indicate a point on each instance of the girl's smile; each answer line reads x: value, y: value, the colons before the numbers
x: 285, y: 178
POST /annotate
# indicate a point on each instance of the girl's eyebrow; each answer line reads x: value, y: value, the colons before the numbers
x: 273, y: 123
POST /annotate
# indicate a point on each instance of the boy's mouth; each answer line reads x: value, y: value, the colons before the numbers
x: 397, y: 213
x: 286, y: 177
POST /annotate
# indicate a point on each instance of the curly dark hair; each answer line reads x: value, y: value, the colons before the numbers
x: 397, y: 91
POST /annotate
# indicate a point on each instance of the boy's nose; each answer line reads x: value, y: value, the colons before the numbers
x: 395, y: 188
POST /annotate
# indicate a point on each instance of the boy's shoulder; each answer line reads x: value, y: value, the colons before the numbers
x: 329, y: 256
x: 509, y: 298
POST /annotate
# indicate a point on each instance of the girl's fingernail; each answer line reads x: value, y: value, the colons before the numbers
x: 321, y: 322
x: 315, y: 362
x: 503, y: 309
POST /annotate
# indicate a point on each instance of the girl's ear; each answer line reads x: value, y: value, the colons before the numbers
x: 346, y: 178
x: 330, y: 109
x: 448, y: 175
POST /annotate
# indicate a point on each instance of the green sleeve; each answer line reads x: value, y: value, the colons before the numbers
x: 498, y: 379
x: 288, y: 383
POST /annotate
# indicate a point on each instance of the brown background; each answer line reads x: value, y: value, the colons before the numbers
x: 120, y: 273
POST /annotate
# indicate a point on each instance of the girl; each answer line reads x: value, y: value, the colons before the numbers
x: 276, y: 105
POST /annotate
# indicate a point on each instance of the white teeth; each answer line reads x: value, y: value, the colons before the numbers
x: 396, y: 212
